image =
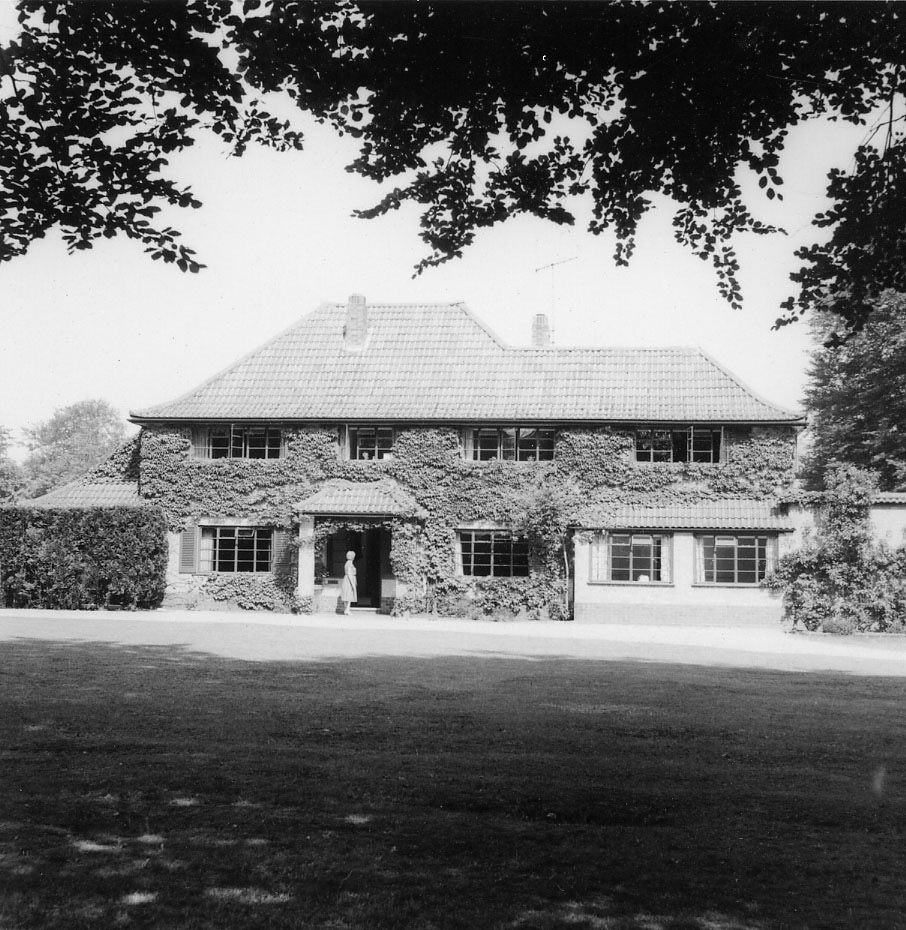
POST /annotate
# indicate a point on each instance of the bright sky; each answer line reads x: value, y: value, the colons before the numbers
x: 278, y: 238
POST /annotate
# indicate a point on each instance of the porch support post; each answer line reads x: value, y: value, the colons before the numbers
x: 306, y: 585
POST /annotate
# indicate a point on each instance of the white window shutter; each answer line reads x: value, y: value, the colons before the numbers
x: 188, y: 550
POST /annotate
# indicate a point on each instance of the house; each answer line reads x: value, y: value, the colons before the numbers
x: 406, y: 432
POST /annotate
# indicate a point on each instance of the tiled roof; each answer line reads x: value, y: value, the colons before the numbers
x: 727, y: 514
x: 107, y: 494
x: 889, y: 497
x: 371, y: 498
x: 437, y: 362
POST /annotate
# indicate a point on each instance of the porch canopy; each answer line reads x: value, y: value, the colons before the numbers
x: 725, y: 514
x: 383, y: 498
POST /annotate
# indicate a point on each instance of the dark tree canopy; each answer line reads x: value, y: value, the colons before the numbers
x: 856, y: 396
x: 477, y: 112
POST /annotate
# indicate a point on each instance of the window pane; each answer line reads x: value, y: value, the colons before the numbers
x: 707, y: 545
x: 706, y: 445
x: 661, y: 445
x: 220, y: 443
x: 679, y: 441
x: 656, y: 558
x: 263, y: 546
x: 384, y: 443
x: 508, y: 444
x: 545, y: 445
x: 256, y: 443
x: 620, y: 548
x: 274, y: 443
x: 236, y: 440
x: 206, y: 549
x: 643, y: 440
x: 485, y: 443
x: 640, y: 553
x: 528, y: 445
x: 520, y: 559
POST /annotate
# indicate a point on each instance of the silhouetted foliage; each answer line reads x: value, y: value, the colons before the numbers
x: 479, y: 111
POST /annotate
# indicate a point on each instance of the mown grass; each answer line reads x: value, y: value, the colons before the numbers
x: 150, y: 787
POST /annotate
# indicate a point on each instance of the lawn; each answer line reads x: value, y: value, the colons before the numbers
x: 155, y: 787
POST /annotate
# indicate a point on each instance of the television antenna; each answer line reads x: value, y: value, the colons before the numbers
x: 552, y: 266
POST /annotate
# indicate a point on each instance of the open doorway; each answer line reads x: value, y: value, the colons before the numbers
x: 372, y: 549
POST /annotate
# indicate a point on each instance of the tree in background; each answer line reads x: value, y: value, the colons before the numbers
x: 856, y: 395
x: 69, y: 444
x: 11, y: 477
x: 477, y: 112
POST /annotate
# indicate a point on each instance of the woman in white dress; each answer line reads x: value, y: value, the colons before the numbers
x: 349, y: 591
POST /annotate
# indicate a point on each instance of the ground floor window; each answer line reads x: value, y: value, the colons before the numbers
x: 493, y: 553
x: 735, y: 559
x: 643, y: 557
x: 235, y: 549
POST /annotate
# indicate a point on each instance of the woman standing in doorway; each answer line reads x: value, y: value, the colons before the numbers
x: 349, y: 591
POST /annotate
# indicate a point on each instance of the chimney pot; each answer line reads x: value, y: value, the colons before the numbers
x: 541, y: 331
x: 356, y: 321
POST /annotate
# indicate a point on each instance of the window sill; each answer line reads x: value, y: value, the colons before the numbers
x: 231, y: 574
x: 728, y: 584
x: 673, y: 464
x: 635, y: 584
x: 525, y: 463
x: 206, y: 460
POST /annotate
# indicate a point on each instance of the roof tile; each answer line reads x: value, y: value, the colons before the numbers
x: 438, y: 362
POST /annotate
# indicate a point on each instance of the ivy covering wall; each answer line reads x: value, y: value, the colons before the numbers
x: 427, y: 462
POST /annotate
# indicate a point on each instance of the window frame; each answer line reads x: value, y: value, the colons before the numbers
x: 210, y: 563
x: 601, y: 568
x: 509, y: 444
x: 352, y: 441
x: 234, y: 441
x: 499, y: 539
x: 763, y: 566
x: 668, y: 440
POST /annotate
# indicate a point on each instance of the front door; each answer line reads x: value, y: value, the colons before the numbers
x: 370, y: 553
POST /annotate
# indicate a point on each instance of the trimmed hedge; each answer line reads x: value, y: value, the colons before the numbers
x: 82, y: 558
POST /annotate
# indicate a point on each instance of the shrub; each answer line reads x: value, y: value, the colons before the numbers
x: 82, y: 559
x: 254, y: 592
x: 841, y: 580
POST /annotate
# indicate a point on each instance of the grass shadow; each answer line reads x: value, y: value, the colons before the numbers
x: 165, y: 786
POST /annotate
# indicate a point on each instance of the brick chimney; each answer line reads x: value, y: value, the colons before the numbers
x: 356, y: 322
x: 541, y: 331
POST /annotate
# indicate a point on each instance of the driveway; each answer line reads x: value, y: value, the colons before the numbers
x: 275, y: 637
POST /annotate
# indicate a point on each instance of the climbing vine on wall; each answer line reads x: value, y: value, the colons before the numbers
x: 427, y: 463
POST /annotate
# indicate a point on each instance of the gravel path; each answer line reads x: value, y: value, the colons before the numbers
x: 320, y: 637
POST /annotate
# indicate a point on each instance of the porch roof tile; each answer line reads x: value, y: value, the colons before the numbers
x: 88, y: 494
x: 726, y: 514
x: 340, y: 497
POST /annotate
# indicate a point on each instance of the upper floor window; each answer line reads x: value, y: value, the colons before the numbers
x: 643, y: 557
x: 370, y: 442
x: 493, y: 553
x: 513, y: 444
x: 678, y: 444
x: 238, y: 442
x: 735, y: 559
